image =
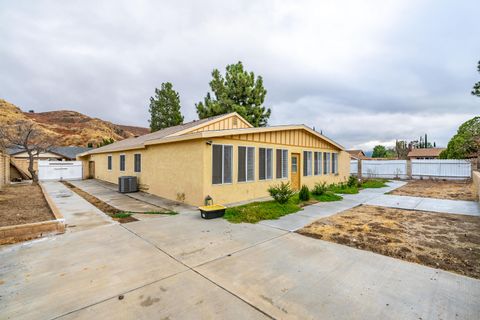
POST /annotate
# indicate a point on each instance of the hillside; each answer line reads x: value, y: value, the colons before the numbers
x: 70, y: 127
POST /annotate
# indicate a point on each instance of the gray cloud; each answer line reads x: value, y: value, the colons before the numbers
x: 362, y: 72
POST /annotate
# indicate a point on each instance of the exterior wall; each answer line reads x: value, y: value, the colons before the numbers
x: 168, y: 170
x: 232, y: 122
x: 241, y: 191
x: 4, y: 169
x: 22, y: 164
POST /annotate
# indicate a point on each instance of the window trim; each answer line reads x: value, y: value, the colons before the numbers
x: 135, y: 164
x: 334, y: 163
x: 109, y: 163
x: 124, y: 162
x: 329, y: 162
x: 266, y: 164
x: 246, y: 163
x: 223, y: 165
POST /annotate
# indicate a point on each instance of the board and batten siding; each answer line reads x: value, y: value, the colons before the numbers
x: 232, y: 122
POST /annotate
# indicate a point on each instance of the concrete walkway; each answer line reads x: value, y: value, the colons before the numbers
x: 132, y: 202
x: 79, y: 214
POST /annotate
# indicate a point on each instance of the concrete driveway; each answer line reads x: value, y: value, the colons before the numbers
x: 183, y: 267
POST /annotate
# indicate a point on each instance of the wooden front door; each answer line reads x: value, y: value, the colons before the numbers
x: 91, y: 169
x: 295, y: 171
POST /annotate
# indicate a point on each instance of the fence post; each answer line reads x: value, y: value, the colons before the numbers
x: 409, y: 169
x: 359, y: 169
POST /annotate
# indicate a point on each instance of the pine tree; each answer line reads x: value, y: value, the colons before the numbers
x: 239, y: 91
x: 476, y: 86
x: 165, y: 108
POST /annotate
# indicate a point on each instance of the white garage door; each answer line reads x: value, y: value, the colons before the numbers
x: 60, y: 170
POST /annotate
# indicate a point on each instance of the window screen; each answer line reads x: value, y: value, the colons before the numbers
x: 222, y: 164
x: 122, y: 162
x: 317, y: 163
x: 109, y: 162
x: 265, y: 163
x: 246, y: 158
x: 326, y: 163
x: 281, y: 163
x: 335, y: 163
x: 307, y: 163
x: 138, y: 162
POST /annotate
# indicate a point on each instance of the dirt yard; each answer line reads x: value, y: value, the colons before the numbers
x: 438, y: 189
x: 446, y: 241
x: 20, y: 204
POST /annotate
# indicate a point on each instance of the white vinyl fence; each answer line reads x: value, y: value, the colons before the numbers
x: 354, y: 167
x: 384, y: 169
x: 60, y: 170
x: 436, y: 168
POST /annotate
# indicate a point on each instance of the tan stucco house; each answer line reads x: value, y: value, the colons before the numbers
x: 223, y: 157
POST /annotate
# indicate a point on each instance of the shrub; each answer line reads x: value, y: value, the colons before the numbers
x: 319, y: 188
x: 281, y: 192
x: 352, y: 181
x: 304, y: 194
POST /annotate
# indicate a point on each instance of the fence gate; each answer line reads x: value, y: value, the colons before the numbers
x: 60, y: 170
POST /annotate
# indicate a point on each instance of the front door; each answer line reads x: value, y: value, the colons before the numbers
x: 91, y: 169
x: 295, y: 172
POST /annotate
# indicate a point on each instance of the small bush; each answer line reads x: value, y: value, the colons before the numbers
x: 352, y: 181
x: 281, y: 192
x: 304, y: 194
x: 319, y: 188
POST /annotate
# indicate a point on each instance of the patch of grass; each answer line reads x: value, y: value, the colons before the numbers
x: 374, y: 183
x: 327, y: 197
x: 169, y: 212
x: 121, y: 215
x: 343, y: 189
x: 258, y: 211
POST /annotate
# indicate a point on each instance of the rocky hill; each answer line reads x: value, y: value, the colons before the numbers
x: 71, y: 128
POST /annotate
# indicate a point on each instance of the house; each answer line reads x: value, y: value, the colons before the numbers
x: 424, y: 153
x: 223, y: 157
x: 357, y: 155
x: 20, y: 160
x: 4, y: 169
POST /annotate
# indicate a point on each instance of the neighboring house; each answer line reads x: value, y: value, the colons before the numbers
x: 424, y: 153
x: 223, y: 157
x: 357, y: 155
x: 20, y: 159
x: 4, y: 169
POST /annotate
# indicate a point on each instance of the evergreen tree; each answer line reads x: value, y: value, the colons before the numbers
x: 165, y: 108
x: 476, y: 86
x: 239, y: 91
x: 466, y: 143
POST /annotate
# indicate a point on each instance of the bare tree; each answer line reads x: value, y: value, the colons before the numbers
x: 28, y: 137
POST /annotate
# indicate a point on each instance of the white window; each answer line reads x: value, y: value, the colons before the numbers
x: 265, y: 163
x: 334, y: 163
x: 307, y: 163
x: 246, y: 164
x: 282, y: 163
x: 222, y: 159
x: 137, y: 162
x: 122, y: 162
x: 109, y: 162
x: 326, y: 163
x: 317, y: 163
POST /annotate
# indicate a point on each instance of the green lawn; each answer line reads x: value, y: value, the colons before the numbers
x: 161, y: 212
x: 374, y: 183
x: 258, y: 211
x: 327, y: 197
x: 343, y: 189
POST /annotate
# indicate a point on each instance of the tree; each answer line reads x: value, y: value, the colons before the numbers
x: 105, y: 141
x: 476, y: 86
x: 165, y: 108
x: 401, y: 149
x: 379, y: 152
x: 239, y: 91
x: 28, y: 137
x: 465, y: 143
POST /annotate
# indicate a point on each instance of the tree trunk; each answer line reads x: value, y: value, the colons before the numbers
x: 31, y: 170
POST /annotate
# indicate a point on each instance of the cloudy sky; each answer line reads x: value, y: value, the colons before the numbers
x: 363, y: 72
